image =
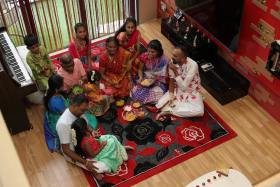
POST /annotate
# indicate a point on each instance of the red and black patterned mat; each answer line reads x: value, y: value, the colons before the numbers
x: 158, y: 145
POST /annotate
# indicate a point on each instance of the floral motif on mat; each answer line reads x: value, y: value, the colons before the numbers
x: 156, y: 143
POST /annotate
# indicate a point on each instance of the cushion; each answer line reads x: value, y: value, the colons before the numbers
x: 22, y: 51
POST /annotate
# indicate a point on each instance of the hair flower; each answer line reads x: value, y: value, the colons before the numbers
x: 74, y: 140
x: 92, y: 76
x: 47, y: 88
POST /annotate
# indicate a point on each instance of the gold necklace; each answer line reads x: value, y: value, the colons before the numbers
x: 110, y: 57
x: 127, y: 37
x: 79, y: 45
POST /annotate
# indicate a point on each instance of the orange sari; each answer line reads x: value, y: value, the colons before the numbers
x: 98, y: 103
x: 130, y: 43
x: 115, y: 70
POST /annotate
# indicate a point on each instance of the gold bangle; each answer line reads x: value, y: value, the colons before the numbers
x: 86, y: 163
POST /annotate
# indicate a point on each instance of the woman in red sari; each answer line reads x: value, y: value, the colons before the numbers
x: 113, y: 69
x: 80, y: 47
x: 129, y: 38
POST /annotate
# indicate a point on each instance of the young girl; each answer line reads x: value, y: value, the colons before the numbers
x: 100, y: 99
x: 80, y: 47
x: 129, y: 38
x: 106, y: 148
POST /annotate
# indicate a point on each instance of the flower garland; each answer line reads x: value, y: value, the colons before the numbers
x: 92, y: 76
x: 47, y: 89
x: 74, y: 140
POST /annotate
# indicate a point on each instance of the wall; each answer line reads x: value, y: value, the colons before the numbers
x: 11, y: 170
x: 252, y: 52
x: 147, y: 10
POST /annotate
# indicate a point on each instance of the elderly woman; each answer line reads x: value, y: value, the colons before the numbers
x: 113, y: 69
x: 152, y: 74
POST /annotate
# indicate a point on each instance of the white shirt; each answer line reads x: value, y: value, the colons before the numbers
x: 187, y: 84
x: 63, y: 127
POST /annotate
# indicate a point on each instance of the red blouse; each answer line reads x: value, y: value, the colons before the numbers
x: 93, y: 143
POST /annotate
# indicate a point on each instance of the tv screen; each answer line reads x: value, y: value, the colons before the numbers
x: 221, y: 18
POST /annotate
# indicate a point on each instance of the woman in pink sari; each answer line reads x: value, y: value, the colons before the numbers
x: 129, y: 38
x: 80, y: 47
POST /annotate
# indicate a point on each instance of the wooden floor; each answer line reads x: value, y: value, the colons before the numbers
x: 255, y: 151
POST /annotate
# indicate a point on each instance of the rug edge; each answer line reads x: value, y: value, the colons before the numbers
x: 176, y: 161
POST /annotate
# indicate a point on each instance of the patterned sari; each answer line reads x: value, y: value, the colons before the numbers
x: 80, y: 53
x: 115, y: 70
x: 130, y: 43
x: 98, y: 102
x: 154, y: 68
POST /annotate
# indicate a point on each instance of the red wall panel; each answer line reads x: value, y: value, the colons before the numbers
x: 247, y: 47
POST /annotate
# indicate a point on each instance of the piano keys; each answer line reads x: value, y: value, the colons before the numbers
x: 14, y: 60
x: 15, y: 84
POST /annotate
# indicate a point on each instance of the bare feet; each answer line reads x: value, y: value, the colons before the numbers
x: 128, y: 148
x: 98, y: 176
x: 160, y: 115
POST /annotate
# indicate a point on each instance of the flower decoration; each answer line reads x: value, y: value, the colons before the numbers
x: 165, y: 139
x: 92, y: 76
x: 109, y: 117
x: 47, y: 88
x: 142, y: 131
x: 193, y: 134
x: 74, y: 140
x: 124, y: 172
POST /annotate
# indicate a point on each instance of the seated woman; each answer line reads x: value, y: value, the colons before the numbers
x: 55, y: 105
x: 129, y: 38
x: 152, y: 74
x: 113, y: 69
x: 80, y: 47
x: 106, y: 148
x: 99, y: 101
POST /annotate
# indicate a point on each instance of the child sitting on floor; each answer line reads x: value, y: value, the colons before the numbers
x: 106, y: 148
x: 39, y: 61
x: 100, y: 99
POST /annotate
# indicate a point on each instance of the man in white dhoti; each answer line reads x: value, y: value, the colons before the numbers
x: 183, y: 98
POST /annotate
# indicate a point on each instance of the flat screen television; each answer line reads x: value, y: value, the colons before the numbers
x: 221, y: 18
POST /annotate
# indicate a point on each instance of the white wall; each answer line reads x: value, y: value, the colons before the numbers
x: 11, y: 170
